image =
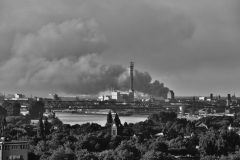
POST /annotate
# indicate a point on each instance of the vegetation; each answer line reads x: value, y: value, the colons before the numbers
x: 36, y: 109
x: 161, y: 137
x: 13, y: 109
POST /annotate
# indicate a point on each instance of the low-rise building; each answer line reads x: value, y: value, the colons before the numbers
x: 14, y: 150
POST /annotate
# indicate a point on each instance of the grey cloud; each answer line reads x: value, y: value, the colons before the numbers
x: 72, y: 38
x: 173, y: 39
x: 65, y: 58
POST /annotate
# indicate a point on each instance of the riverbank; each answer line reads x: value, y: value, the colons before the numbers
x: 72, y: 118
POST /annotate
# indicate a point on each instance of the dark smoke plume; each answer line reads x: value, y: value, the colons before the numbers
x: 143, y: 83
x: 66, y: 58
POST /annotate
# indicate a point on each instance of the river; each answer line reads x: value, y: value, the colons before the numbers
x: 73, y: 118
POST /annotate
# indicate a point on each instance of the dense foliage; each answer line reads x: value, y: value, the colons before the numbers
x: 161, y: 137
x: 13, y: 109
x: 36, y: 109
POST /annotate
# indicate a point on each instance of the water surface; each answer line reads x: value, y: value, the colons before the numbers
x: 69, y: 118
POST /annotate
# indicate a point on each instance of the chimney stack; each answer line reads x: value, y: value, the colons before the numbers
x: 131, y: 76
x: 211, y: 96
x: 229, y: 97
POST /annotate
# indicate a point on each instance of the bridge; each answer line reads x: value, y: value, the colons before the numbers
x: 88, y: 104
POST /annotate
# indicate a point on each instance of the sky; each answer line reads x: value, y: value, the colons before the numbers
x: 85, y: 46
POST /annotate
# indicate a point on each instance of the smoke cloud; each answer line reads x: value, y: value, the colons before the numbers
x: 84, y: 46
x: 66, y: 58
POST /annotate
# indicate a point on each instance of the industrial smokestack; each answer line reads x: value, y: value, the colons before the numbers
x: 131, y: 76
x: 229, y: 97
x: 211, y: 96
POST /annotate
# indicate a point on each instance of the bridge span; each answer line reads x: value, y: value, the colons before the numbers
x: 88, y: 104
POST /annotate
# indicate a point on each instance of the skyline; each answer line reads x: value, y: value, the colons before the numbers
x: 79, y: 46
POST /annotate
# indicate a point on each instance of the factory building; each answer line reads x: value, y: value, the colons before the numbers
x: 116, y: 95
x: 104, y: 98
x: 122, y: 96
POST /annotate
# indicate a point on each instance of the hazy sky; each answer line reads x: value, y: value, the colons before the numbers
x: 79, y: 46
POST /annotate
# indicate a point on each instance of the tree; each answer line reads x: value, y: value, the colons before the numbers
x: 40, y: 130
x: 159, y: 146
x: 36, y: 109
x: 163, y: 117
x: 117, y: 120
x: 3, y: 112
x: 56, y: 122
x: 114, y: 142
x: 233, y: 140
x: 47, y: 127
x: 177, y: 142
x: 7, y: 106
x: 85, y: 155
x: 153, y: 155
x: 3, y: 125
x: 127, y: 151
x: 16, y: 108
x: 118, y: 124
x: 107, y: 155
x: 209, y: 158
x: 13, y: 109
x: 207, y: 143
x: 109, y: 119
x: 61, y: 154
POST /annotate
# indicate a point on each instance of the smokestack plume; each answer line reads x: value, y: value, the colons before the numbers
x: 131, y: 76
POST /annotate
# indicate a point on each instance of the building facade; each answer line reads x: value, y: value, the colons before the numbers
x: 14, y: 150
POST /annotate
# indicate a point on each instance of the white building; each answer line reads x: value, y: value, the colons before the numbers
x: 170, y: 95
x: 202, y: 98
x: 104, y: 98
x: 116, y: 95
x: 18, y: 96
x: 123, y: 96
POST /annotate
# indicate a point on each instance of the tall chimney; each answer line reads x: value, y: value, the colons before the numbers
x: 131, y: 76
x: 211, y: 96
x: 229, y: 97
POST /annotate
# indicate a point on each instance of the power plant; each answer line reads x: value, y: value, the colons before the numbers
x: 121, y: 96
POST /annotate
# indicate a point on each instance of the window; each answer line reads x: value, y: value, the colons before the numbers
x: 6, y: 147
x: 10, y: 158
x: 15, y: 157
